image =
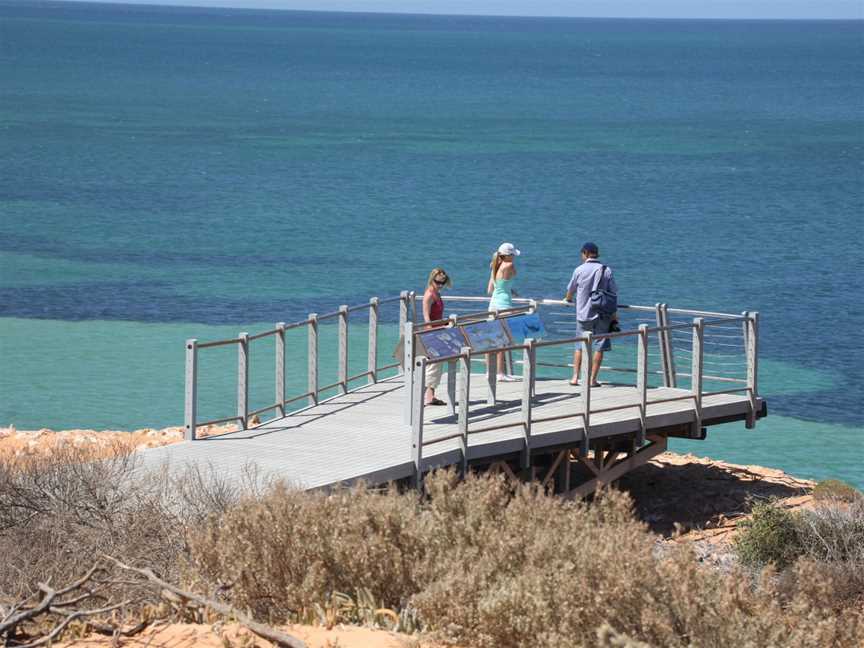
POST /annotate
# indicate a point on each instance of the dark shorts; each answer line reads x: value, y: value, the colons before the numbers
x: 597, y: 327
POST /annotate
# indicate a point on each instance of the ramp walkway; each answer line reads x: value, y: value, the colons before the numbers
x: 572, y: 439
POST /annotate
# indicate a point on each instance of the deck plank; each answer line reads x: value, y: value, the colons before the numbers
x: 361, y: 435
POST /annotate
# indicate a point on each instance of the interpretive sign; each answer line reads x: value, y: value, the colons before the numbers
x: 526, y: 326
x: 483, y: 336
x: 442, y: 342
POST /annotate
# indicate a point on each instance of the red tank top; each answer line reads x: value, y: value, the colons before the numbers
x: 436, y: 308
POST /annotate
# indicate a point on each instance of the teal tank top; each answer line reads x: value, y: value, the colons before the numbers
x: 501, y: 295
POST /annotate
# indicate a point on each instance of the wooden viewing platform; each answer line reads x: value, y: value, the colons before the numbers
x: 572, y: 439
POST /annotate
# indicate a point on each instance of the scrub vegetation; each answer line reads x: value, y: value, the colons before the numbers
x: 483, y: 563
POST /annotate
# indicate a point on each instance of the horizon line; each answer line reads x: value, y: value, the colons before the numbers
x: 149, y: 3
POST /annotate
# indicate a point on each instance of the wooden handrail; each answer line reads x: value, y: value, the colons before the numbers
x: 407, y: 315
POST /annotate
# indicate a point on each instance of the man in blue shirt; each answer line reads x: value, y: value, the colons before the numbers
x: 586, y: 278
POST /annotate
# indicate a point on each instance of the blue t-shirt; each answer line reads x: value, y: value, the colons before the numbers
x: 583, y: 281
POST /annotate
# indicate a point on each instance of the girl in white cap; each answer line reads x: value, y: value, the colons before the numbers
x: 500, y: 286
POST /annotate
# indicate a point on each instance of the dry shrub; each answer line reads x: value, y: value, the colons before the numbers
x: 285, y: 553
x: 486, y: 565
x: 821, y: 550
x: 832, y: 540
x: 61, y: 510
x: 531, y: 570
x: 833, y: 532
x: 834, y: 489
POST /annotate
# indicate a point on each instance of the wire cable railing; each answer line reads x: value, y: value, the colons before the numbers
x: 658, y: 346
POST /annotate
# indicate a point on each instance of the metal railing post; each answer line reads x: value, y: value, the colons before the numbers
x: 191, y: 408
x: 280, y: 367
x: 642, y: 382
x: 372, y: 365
x: 419, y: 394
x: 696, y: 373
x: 464, y: 403
x: 243, y: 379
x: 313, y: 359
x: 412, y: 297
x: 343, y: 348
x: 585, y: 379
x: 408, y: 364
x: 752, y: 341
x: 528, y: 375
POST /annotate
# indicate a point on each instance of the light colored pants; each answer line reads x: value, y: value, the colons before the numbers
x: 433, y: 374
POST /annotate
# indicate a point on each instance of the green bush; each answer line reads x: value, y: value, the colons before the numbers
x: 769, y: 536
x: 834, y: 489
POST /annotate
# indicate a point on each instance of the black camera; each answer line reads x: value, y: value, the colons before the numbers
x: 614, y: 327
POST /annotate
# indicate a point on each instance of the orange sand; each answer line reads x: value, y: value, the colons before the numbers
x: 186, y: 635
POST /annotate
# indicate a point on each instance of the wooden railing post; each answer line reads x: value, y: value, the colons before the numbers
x: 313, y: 359
x: 403, y: 318
x: 451, y: 387
x: 412, y: 297
x: 451, y: 377
x: 696, y: 373
x: 243, y: 379
x: 585, y: 379
x: 528, y: 376
x: 419, y: 394
x: 464, y: 403
x: 752, y: 341
x: 280, y: 367
x: 343, y: 349
x: 642, y: 382
x: 658, y: 313
x: 191, y: 408
x: 664, y: 338
x: 491, y: 376
x: 372, y: 365
x: 408, y: 364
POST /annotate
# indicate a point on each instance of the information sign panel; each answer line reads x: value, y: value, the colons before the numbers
x: 442, y: 342
x: 526, y: 326
x: 483, y: 336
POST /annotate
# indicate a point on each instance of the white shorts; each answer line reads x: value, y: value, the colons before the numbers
x: 433, y: 374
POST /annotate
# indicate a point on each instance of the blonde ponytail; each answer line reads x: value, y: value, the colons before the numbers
x: 495, y: 264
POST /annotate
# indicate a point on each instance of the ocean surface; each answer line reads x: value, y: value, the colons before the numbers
x: 169, y: 173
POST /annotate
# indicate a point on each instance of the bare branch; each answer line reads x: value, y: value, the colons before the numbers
x: 264, y: 631
x: 22, y: 612
x: 77, y: 614
x: 110, y: 630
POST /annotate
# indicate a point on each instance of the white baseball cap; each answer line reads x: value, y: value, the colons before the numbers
x: 508, y: 249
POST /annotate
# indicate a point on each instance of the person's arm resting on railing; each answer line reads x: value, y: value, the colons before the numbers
x: 571, y: 288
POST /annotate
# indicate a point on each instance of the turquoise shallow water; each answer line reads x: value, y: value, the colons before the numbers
x: 175, y: 173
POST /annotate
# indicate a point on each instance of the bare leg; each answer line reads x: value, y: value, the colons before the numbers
x: 595, y: 370
x: 577, y: 365
x: 502, y: 366
x: 430, y: 395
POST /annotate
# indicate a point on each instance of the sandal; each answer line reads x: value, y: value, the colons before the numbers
x: 435, y: 401
x: 573, y: 383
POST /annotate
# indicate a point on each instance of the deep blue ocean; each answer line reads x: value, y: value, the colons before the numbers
x: 168, y: 173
